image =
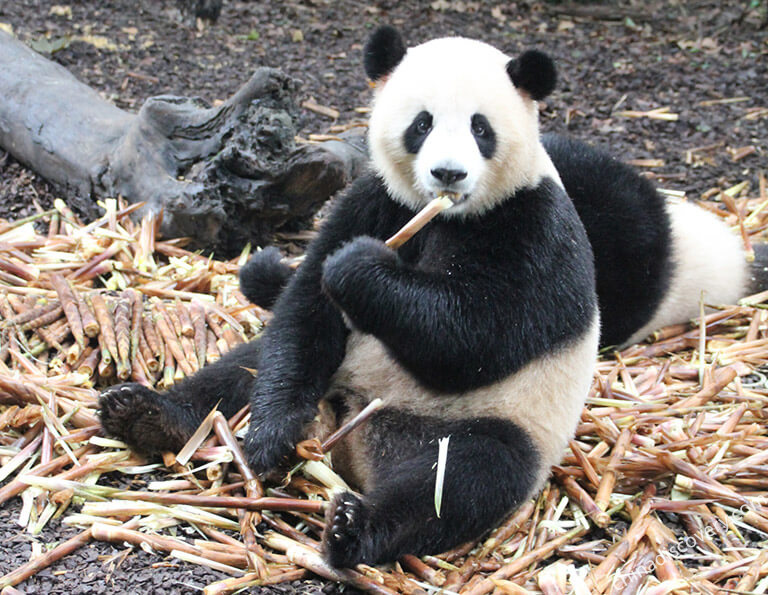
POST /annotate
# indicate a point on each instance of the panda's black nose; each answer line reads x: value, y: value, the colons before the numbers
x: 448, y: 176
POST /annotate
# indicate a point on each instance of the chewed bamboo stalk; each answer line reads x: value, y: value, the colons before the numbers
x: 429, y: 212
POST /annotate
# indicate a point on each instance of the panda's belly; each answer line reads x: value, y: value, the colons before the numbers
x: 544, y: 398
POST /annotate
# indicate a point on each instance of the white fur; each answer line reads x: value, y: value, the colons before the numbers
x: 453, y: 79
x: 706, y: 256
x: 544, y: 398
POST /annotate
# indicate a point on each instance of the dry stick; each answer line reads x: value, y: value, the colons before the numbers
x: 107, y: 328
x: 197, y: 318
x: 71, y: 311
x: 723, y: 378
x: 171, y: 340
x: 123, y: 338
x: 90, y: 324
x: 253, y: 489
x: 104, y: 532
x: 136, y: 307
x: 252, y: 579
x: 37, y: 564
x: 255, y: 504
x: 187, y: 328
x: 353, y: 423
x: 302, y: 555
x: 27, y: 316
x: 588, y: 505
x: 508, y: 570
x: 605, y: 489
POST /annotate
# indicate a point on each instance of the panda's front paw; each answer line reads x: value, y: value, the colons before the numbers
x: 145, y: 420
x: 346, y: 531
x: 269, y: 441
x: 347, y: 271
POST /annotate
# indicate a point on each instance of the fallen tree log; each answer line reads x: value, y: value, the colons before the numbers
x: 222, y: 175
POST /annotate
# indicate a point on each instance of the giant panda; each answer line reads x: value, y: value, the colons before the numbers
x: 483, y: 328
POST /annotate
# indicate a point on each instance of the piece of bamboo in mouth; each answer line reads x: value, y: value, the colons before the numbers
x: 420, y: 219
x: 410, y: 229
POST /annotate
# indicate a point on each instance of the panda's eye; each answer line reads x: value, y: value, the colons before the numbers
x: 417, y: 132
x: 484, y: 135
x: 479, y: 126
x: 423, y: 123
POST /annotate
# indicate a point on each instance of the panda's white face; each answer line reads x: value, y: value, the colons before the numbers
x: 449, y: 119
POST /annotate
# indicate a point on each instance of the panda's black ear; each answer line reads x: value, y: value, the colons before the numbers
x: 383, y: 51
x: 533, y: 72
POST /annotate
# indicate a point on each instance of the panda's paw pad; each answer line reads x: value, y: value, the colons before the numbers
x: 120, y: 405
x: 344, y: 530
x: 140, y: 417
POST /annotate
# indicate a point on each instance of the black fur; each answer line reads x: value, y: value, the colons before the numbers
x: 484, y: 134
x: 533, y: 72
x: 628, y: 228
x: 152, y: 422
x: 264, y: 276
x: 468, y: 302
x: 418, y: 131
x: 461, y: 305
x: 383, y: 51
x: 397, y: 515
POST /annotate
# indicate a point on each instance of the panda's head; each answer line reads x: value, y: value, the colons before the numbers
x: 455, y: 115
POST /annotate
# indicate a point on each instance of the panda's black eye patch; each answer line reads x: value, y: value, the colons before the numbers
x: 484, y: 135
x: 418, y: 131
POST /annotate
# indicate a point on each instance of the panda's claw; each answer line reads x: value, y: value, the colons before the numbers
x: 346, y: 531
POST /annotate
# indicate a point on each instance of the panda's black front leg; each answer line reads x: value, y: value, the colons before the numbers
x: 491, y: 467
x: 152, y: 422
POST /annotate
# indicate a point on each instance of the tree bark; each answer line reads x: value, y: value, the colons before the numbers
x: 222, y: 175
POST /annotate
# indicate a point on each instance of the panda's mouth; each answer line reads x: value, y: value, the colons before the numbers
x: 456, y: 198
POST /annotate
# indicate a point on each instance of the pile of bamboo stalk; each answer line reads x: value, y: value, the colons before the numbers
x: 664, y: 488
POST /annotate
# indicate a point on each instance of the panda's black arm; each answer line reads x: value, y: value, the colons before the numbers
x: 306, y: 341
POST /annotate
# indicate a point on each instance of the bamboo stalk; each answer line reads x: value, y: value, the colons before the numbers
x: 605, y: 488
x: 509, y: 570
x: 37, y: 564
x: 123, y: 338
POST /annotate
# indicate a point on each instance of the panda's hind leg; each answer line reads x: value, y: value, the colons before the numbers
x: 492, y: 466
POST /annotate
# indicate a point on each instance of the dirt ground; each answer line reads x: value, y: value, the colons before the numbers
x: 706, y: 62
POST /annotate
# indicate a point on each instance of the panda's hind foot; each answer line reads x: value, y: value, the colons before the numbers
x: 144, y: 419
x: 347, y: 538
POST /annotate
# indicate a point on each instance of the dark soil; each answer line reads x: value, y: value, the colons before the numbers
x: 612, y: 57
